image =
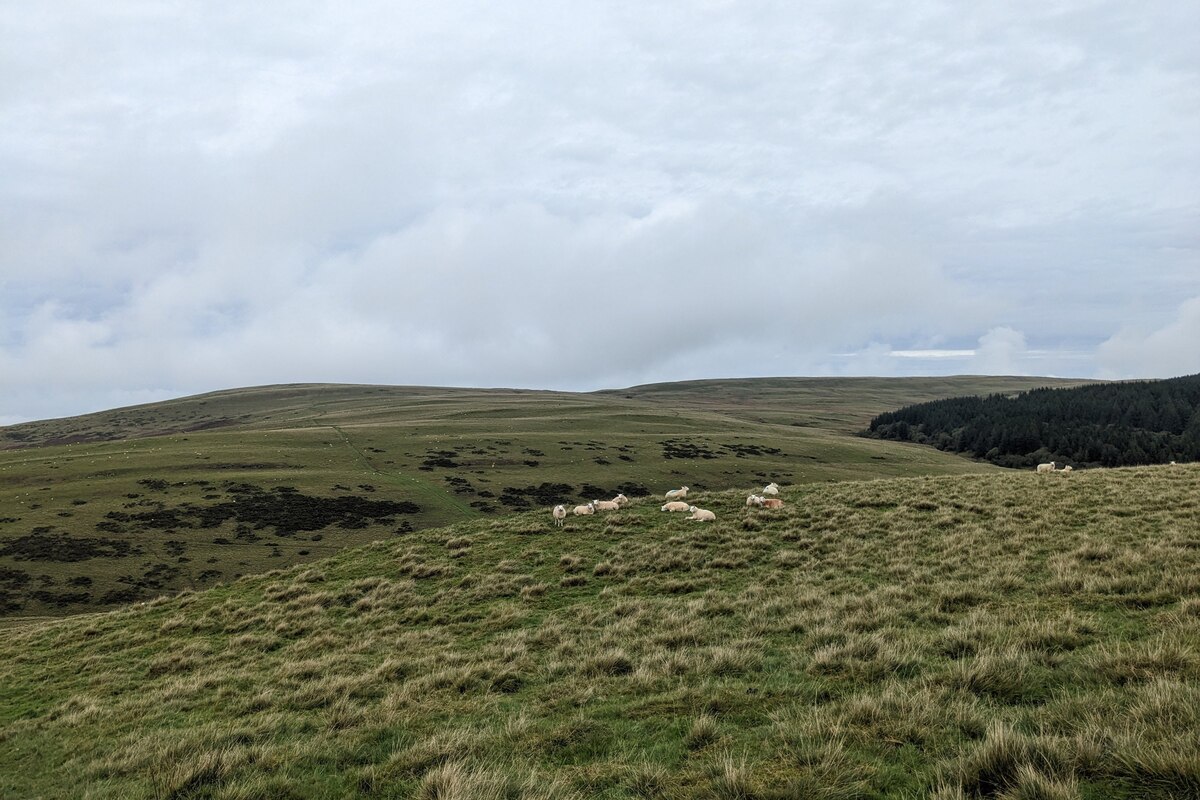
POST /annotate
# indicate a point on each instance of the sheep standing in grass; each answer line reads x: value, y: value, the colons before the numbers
x: 701, y: 514
x: 754, y: 500
x: 621, y: 500
x: 676, y: 505
x: 771, y: 489
x: 560, y: 513
x: 677, y: 494
x: 1047, y: 467
x: 583, y: 511
x: 605, y: 505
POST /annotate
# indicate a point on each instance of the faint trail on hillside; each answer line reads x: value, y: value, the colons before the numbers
x: 425, y: 488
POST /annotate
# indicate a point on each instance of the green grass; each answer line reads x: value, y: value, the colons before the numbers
x: 451, y: 452
x: 1002, y: 635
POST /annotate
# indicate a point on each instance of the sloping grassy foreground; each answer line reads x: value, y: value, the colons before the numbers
x: 1012, y: 635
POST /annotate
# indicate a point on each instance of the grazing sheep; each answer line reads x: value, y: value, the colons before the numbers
x: 583, y: 511
x: 676, y: 505
x: 701, y: 514
x: 560, y: 513
x: 621, y: 500
x: 771, y: 489
x: 677, y: 494
x: 605, y: 505
x: 1047, y: 467
x: 772, y: 502
x: 754, y: 500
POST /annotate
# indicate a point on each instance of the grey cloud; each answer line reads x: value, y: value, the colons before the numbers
x: 574, y: 196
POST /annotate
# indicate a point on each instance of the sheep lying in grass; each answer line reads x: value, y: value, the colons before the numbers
x: 771, y: 489
x: 677, y: 494
x: 560, y: 513
x: 621, y: 500
x: 1047, y: 467
x: 1066, y: 469
x: 701, y: 514
x: 583, y: 511
x: 755, y: 500
x: 676, y: 505
x: 772, y: 502
x: 605, y: 505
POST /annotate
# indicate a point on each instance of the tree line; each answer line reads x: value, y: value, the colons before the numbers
x: 1101, y: 425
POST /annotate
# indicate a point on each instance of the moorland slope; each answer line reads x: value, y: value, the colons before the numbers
x: 129, y: 504
x: 1002, y: 635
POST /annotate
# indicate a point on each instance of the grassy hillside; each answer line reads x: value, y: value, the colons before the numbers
x: 124, y: 505
x: 1001, y: 635
x: 836, y: 404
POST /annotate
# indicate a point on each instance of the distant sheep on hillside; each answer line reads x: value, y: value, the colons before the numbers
x: 754, y: 500
x: 677, y: 494
x: 583, y: 511
x: 676, y: 505
x: 605, y: 505
x: 560, y: 514
x: 621, y: 500
x: 702, y: 514
x: 1047, y: 467
x: 772, y: 502
x: 771, y: 489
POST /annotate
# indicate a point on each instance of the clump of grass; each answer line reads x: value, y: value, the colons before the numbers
x: 614, y: 661
x: 1006, y: 760
x: 733, y: 780
x: 703, y: 731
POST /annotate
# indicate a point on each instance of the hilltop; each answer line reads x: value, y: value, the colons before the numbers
x: 128, y: 504
x: 992, y: 635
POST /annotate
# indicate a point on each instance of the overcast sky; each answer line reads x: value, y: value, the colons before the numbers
x: 197, y: 196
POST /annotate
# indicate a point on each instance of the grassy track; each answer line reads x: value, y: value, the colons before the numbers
x: 434, y: 496
x: 1000, y: 635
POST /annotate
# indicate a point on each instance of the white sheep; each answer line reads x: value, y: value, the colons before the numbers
x: 1066, y: 469
x: 621, y: 500
x: 560, y: 513
x: 702, y: 514
x: 1047, y: 467
x: 754, y: 500
x: 676, y: 505
x: 605, y: 505
x: 677, y: 494
x: 1172, y: 464
x: 771, y: 489
x: 583, y: 511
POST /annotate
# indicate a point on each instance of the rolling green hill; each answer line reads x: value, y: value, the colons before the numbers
x: 128, y: 504
x: 1003, y: 635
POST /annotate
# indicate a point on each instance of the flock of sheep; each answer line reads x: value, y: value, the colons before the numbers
x: 675, y: 502
x: 1053, y: 467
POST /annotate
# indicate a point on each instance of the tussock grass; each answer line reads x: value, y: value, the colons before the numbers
x: 972, y: 637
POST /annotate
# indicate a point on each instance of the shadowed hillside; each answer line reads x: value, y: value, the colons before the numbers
x: 130, y: 504
x: 1003, y: 635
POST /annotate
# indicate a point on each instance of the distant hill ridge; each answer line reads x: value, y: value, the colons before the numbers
x: 1110, y: 425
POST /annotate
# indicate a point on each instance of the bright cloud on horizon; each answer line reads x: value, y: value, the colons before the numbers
x: 592, y: 195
